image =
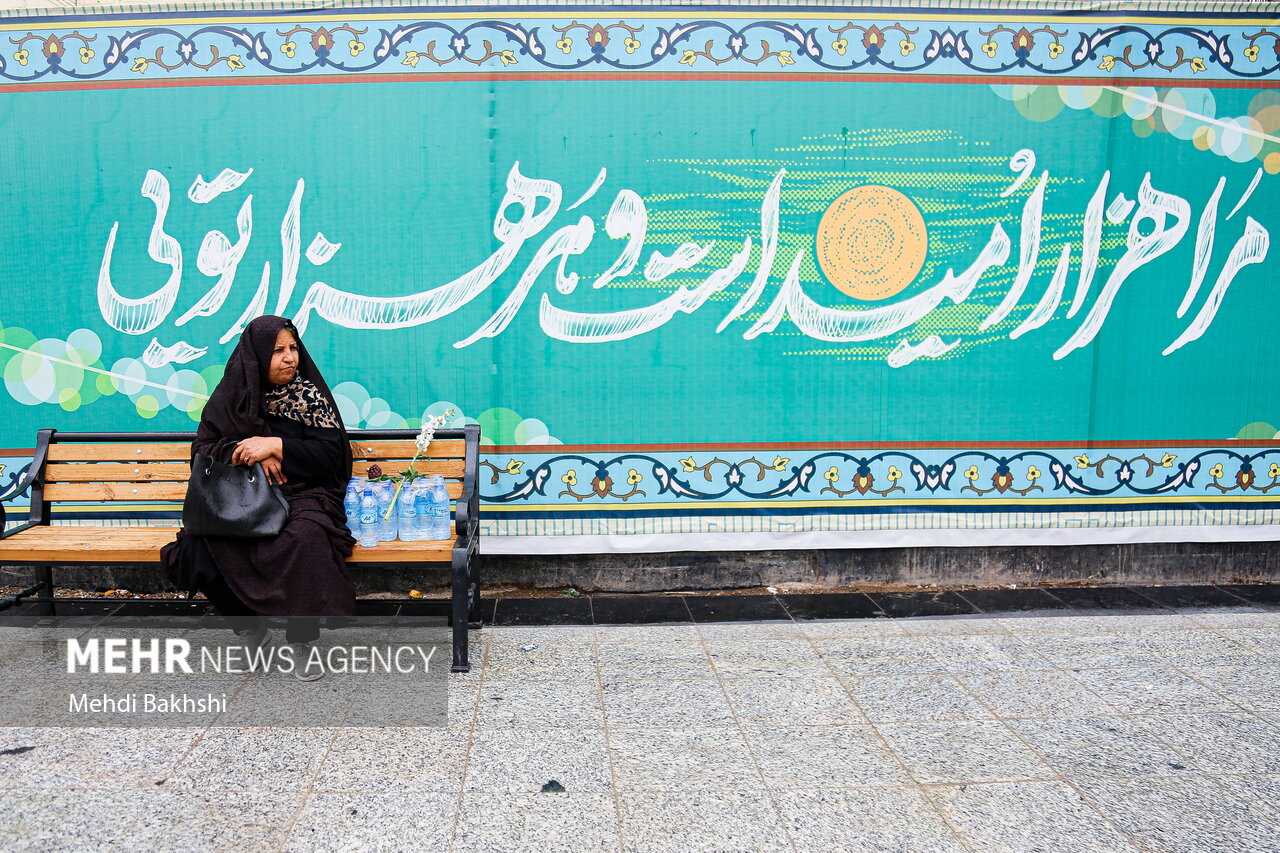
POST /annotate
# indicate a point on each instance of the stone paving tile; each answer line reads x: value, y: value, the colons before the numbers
x: 878, y: 655
x: 523, y: 760
x: 33, y: 701
x: 1095, y: 649
x: 791, y: 701
x: 1130, y: 621
x: 820, y: 629
x: 959, y: 655
x: 823, y: 757
x: 928, y: 626
x: 1021, y: 817
x: 1262, y: 793
x: 653, y: 660
x: 1184, y: 815
x: 253, y: 760
x: 91, y: 758
x: 462, y: 699
x: 543, y: 635
x: 661, y: 703
x: 647, y: 634
x: 279, y: 699
x: 536, y: 823
x: 1036, y: 694
x: 392, y: 760
x: 1051, y: 622
x: 1242, y: 618
x: 902, y: 698
x: 781, y: 658
x: 1199, y: 648
x: 515, y: 704
x: 45, y: 820
x: 1254, y: 688
x: 780, y: 630
x: 212, y: 820
x: 1222, y: 743
x: 963, y: 751
x: 1265, y: 641
x: 549, y: 661
x: 697, y: 821
x: 353, y: 822
x: 682, y: 759
x: 1100, y: 747
x: 865, y: 820
x: 828, y: 773
x: 1153, y: 691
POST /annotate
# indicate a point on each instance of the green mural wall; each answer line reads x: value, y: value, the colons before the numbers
x: 906, y: 272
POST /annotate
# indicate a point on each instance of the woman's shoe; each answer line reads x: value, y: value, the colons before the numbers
x: 256, y: 642
x: 306, y: 667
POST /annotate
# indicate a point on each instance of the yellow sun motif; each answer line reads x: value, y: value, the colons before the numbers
x: 871, y: 242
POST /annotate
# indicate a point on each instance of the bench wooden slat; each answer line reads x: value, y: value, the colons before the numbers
x: 450, y: 469
x: 175, y: 492
x: 181, y: 452
x: 106, y: 544
x: 115, y: 491
x: 387, y: 449
x: 112, y: 472
x: 179, y: 472
x: 121, y: 452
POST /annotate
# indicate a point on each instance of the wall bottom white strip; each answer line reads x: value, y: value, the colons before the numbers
x: 819, y: 539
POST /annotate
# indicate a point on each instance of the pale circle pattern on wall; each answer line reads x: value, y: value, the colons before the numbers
x: 1184, y: 113
x: 70, y: 374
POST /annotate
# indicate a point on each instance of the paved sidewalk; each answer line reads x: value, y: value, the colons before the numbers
x: 1027, y: 733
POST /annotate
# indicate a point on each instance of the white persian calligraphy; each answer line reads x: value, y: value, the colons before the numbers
x: 1156, y: 223
x: 158, y: 355
x: 931, y: 347
x: 218, y: 258
x: 356, y: 311
x: 1141, y: 249
x: 137, y: 316
x: 203, y: 192
x: 1028, y: 254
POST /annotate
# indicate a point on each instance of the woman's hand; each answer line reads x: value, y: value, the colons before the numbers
x: 257, y: 449
x: 274, y: 470
x: 268, y: 451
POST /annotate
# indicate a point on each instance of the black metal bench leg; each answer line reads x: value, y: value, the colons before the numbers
x: 474, y: 620
x: 44, y: 576
x: 461, y: 580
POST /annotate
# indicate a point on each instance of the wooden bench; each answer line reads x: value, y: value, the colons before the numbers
x: 117, y: 468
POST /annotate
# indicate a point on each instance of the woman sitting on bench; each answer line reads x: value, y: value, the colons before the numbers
x: 273, y: 407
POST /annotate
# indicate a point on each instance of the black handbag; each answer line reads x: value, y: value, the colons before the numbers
x: 232, y: 500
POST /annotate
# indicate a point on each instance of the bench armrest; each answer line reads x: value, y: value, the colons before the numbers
x: 21, y: 527
x: 462, y: 520
x: 21, y: 483
x: 34, y: 476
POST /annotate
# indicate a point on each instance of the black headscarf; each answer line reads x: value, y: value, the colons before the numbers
x: 237, y: 408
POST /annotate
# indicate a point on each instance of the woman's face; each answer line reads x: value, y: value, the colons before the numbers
x: 284, y: 359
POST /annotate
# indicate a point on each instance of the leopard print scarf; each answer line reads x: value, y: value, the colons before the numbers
x: 303, y: 402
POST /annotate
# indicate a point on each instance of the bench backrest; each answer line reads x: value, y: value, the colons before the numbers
x: 133, y: 468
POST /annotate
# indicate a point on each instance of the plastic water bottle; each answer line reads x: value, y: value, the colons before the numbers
x: 352, y: 505
x: 422, y: 503
x: 407, y: 512
x: 383, y: 491
x: 439, y: 508
x: 368, y: 520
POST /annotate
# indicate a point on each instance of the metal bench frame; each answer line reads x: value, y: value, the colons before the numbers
x: 464, y: 611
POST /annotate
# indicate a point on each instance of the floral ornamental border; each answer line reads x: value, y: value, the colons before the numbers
x: 839, y: 476
x: 356, y: 46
